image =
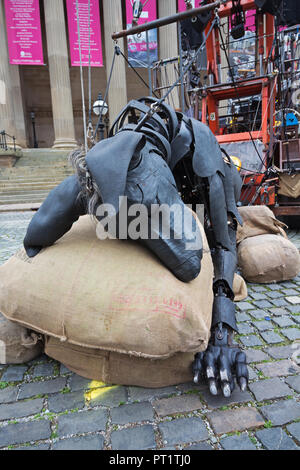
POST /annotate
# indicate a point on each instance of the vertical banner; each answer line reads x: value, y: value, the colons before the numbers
x: 137, y: 44
x: 90, y: 32
x: 24, y: 32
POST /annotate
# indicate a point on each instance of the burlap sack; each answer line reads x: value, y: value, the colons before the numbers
x: 289, y: 185
x: 18, y: 344
x: 268, y: 258
x: 239, y: 288
x: 113, y: 295
x: 258, y: 220
x: 122, y: 369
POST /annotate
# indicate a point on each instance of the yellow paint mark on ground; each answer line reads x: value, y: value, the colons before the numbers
x: 97, y: 389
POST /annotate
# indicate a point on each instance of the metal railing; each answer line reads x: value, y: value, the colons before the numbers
x: 3, y: 141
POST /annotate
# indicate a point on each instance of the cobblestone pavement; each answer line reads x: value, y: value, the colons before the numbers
x: 43, y: 405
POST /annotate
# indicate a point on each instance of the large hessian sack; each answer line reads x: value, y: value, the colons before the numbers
x: 113, y: 295
x: 268, y: 258
x: 258, y: 220
x: 122, y: 369
x: 18, y: 344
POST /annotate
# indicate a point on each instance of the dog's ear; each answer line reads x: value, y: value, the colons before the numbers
x: 108, y: 162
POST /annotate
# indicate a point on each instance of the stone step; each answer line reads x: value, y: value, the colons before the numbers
x: 35, y: 174
x: 29, y: 185
x: 35, y: 192
x: 28, y: 189
x: 22, y: 199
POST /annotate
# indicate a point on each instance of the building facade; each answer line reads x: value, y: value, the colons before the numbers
x: 49, y: 97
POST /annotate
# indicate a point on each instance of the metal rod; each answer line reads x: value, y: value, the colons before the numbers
x: 166, y: 20
x: 149, y: 64
x: 180, y: 68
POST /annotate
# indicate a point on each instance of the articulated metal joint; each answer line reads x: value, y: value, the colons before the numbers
x: 224, y: 312
x: 220, y: 335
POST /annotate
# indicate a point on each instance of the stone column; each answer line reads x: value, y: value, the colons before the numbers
x: 18, y: 107
x: 117, y: 95
x: 7, y: 121
x: 62, y: 108
x: 168, y: 47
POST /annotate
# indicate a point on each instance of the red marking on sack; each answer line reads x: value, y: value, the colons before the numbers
x: 169, y: 306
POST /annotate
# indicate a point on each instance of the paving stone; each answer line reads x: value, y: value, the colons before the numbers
x: 278, y: 312
x: 280, y: 302
x: 294, y: 382
x: 290, y: 292
x: 242, y: 316
x: 8, y: 394
x: 256, y: 355
x: 252, y: 374
x: 64, y: 369
x: 294, y: 429
x: 258, y: 296
x: 14, y: 373
x: 293, y: 309
x: 66, y: 401
x: 200, y: 446
x: 137, y: 438
x: 183, y: 430
x: 274, y: 294
x: 219, y: 400
x: 258, y: 314
x: 263, y: 325
x: 42, y: 388
x: 287, y: 285
x: 79, y: 383
x: 80, y: 443
x: 20, y: 409
x: 293, y: 300
x: 43, y: 370
x: 245, y: 329
x: 269, y: 389
x: 191, y: 387
x: 281, y: 412
x: 24, y: 432
x: 280, y: 352
x: 273, y: 286
x: 296, y: 318
x: 278, y: 368
x: 141, y: 393
x: 132, y: 413
x: 81, y: 422
x: 180, y: 404
x: 109, y: 396
x: 258, y: 288
x: 241, y: 442
x: 275, y: 439
x: 271, y: 338
x: 291, y: 333
x: 283, y: 321
x: 251, y: 340
x: 262, y: 303
x: 238, y: 419
x: 244, y: 306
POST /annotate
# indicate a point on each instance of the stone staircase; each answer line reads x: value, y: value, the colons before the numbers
x: 34, y: 175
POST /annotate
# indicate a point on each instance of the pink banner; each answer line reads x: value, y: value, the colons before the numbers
x: 137, y: 45
x: 89, y: 35
x: 24, y: 32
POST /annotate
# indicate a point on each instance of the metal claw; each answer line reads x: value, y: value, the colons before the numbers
x: 243, y: 384
x: 213, y: 388
x: 226, y: 390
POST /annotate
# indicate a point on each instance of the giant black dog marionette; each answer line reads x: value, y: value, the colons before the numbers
x: 156, y: 156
